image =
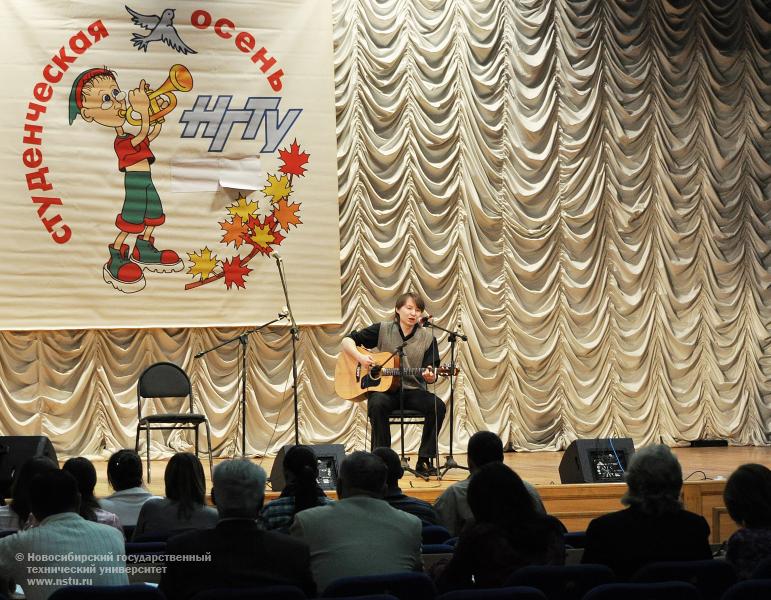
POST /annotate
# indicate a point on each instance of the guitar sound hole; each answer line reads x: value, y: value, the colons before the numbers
x: 374, y: 373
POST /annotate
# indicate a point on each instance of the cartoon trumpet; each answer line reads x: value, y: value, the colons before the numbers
x: 179, y: 80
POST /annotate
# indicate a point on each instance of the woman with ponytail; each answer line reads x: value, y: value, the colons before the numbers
x: 301, y: 492
x: 84, y: 473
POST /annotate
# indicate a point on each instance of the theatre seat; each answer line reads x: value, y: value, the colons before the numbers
x: 267, y: 592
x: 505, y: 593
x: 711, y: 577
x: 107, y: 592
x: 563, y: 582
x: 670, y: 590
x: 409, y: 585
x: 752, y: 589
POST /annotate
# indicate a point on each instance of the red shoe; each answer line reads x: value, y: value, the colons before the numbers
x: 149, y: 257
x: 121, y: 273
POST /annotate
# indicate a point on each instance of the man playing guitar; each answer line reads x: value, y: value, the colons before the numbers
x: 420, y: 351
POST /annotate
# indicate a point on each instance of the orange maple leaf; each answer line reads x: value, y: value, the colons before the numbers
x: 235, y: 272
x: 235, y: 230
x: 286, y: 214
x: 293, y: 160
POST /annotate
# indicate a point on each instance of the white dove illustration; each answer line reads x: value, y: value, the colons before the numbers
x: 161, y: 28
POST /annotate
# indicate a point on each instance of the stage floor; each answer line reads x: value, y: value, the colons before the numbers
x: 539, y: 468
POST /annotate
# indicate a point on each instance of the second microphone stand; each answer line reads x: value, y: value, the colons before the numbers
x: 404, y: 461
x: 242, y: 339
x: 453, y: 337
x: 295, y: 331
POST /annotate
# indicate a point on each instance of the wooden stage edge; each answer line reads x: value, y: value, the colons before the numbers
x: 704, y: 469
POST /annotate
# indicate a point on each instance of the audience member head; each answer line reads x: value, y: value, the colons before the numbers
x: 484, y: 447
x: 85, y: 475
x: 124, y: 470
x: 362, y: 474
x: 20, y: 492
x: 393, y: 463
x: 238, y: 488
x: 301, y: 468
x: 52, y: 493
x: 496, y: 494
x: 185, y: 483
x: 654, y: 479
x: 747, y: 496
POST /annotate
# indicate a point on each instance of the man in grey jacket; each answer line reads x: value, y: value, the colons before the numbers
x: 452, y: 506
x: 361, y: 534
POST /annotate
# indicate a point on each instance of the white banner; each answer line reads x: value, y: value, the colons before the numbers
x: 158, y: 156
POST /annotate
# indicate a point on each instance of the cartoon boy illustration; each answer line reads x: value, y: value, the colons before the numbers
x: 96, y: 97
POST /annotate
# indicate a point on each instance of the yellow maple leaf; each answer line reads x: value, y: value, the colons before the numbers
x: 263, y: 236
x: 277, y: 188
x: 242, y: 209
x: 203, y: 263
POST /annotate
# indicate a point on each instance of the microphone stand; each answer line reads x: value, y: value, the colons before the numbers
x: 243, y: 339
x: 404, y: 462
x: 453, y: 337
x: 295, y: 331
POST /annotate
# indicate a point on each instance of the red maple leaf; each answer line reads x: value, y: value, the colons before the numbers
x: 293, y: 160
x: 286, y: 214
x: 252, y: 224
x: 277, y: 237
x: 235, y: 272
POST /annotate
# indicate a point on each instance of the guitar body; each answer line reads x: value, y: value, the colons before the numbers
x: 352, y: 381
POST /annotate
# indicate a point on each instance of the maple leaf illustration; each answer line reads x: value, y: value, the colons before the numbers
x: 277, y: 237
x: 242, y: 209
x: 277, y: 188
x: 262, y: 237
x: 286, y: 215
x: 203, y: 263
x: 259, y: 224
x: 235, y: 271
x: 293, y: 160
x: 235, y: 231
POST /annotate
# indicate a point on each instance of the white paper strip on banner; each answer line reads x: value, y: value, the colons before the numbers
x: 209, y: 174
x: 195, y: 175
x: 241, y: 174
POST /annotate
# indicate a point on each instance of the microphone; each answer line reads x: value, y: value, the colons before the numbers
x: 284, y: 312
x: 425, y: 321
x: 277, y: 256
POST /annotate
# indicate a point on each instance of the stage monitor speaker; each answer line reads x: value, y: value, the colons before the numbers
x: 15, y: 450
x: 329, y: 457
x: 598, y: 460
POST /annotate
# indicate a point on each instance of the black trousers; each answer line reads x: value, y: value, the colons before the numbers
x: 380, y: 405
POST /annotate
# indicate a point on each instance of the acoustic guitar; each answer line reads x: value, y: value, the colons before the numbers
x: 352, y: 380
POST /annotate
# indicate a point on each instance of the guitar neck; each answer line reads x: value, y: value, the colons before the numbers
x: 391, y: 372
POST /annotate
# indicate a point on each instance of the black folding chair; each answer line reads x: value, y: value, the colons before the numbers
x: 167, y: 380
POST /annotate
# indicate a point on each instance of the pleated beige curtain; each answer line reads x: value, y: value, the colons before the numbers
x: 583, y: 187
